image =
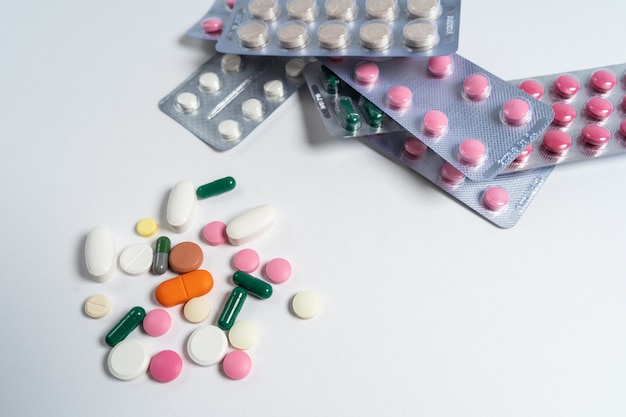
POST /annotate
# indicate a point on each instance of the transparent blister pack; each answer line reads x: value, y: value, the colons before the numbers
x: 345, y: 112
x: 371, y: 28
x: 470, y: 117
x: 230, y: 95
x: 210, y: 26
x: 589, y: 116
x: 501, y: 200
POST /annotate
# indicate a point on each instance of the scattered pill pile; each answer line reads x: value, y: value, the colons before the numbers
x: 224, y: 342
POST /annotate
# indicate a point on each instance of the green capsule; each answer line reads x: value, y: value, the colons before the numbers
x: 160, y: 262
x: 232, y: 308
x: 348, y: 117
x: 253, y: 285
x: 216, y: 187
x: 329, y: 80
x: 129, y: 322
x: 373, y: 115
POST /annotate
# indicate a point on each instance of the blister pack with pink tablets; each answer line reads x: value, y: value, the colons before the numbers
x: 371, y: 28
x: 501, y: 200
x: 230, y: 95
x: 344, y: 111
x: 589, y: 116
x: 209, y: 27
x: 470, y: 117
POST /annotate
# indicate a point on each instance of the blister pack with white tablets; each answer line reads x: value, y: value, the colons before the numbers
x: 345, y: 112
x: 501, y: 200
x: 589, y: 116
x: 470, y: 117
x: 209, y: 27
x: 230, y: 95
x: 371, y: 28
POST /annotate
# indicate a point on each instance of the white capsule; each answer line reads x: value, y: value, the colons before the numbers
x: 251, y: 224
x: 181, y: 206
x: 100, y: 253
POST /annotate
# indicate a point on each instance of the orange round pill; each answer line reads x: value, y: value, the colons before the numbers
x: 185, y: 257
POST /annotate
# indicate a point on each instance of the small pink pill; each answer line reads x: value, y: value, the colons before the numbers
x: 472, y: 151
x: 450, y: 174
x: 278, y: 270
x: 516, y: 112
x: 231, y: 4
x: 556, y: 141
x: 524, y: 154
x: 599, y: 108
x: 476, y: 87
x: 566, y: 86
x: 440, y: 66
x: 622, y: 127
x: 414, y: 147
x: 435, y: 123
x: 246, y: 260
x: 237, y: 364
x: 624, y: 103
x: 533, y: 88
x: 157, y: 322
x: 399, y: 97
x: 215, y: 233
x: 495, y: 198
x: 366, y: 73
x: 603, y: 80
x: 564, y: 113
x: 165, y: 366
x: 212, y: 25
x: 596, y: 136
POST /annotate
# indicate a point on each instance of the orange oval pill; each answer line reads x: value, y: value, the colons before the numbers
x: 185, y: 257
x: 183, y: 288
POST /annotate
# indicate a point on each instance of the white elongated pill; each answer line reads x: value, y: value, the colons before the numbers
x: 137, y: 258
x: 100, y: 253
x: 181, y: 206
x: 251, y: 224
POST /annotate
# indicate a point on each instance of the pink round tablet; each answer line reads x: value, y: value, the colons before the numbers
x: 596, y: 136
x: 622, y: 127
x: 533, y: 88
x: 414, y: 147
x: 230, y: 4
x: 237, y: 364
x: 599, y: 108
x: 215, y: 233
x: 435, y: 123
x: 564, y: 113
x: 366, y: 73
x: 450, y: 174
x: 165, y: 366
x: 603, y: 80
x: 516, y: 112
x: 399, y: 97
x: 524, y: 154
x: 157, y: 322
x: 495, y: 198
x: 246, y: 260
x: 212, y: 25
x: 440, y: 66
x: 472, y: 151
x: 278, y: 270
x: 624, y: 103
x: 556, y: 141
x: 566, y: 86
x: 476, y: 87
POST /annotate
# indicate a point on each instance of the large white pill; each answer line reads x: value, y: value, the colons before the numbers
x: 181, y: 206
x: 207, y: 345
x: 100, y: 253
x: 128, y: 359
x: 243, y: 335
x: 251, y: 224
x: 137, y: 258
x: 209, y: 82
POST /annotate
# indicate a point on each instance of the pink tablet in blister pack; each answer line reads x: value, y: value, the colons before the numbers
x: 474, y: 120
x: 210, y: 26
x: 589, y: 116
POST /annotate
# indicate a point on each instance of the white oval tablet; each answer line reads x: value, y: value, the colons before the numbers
x: 97, y: 306
x: 136, y: 259
x: 305, y: 304
x: 128, y: 359
x: 181, y: 206
x: 207, y: 345
x: 243, y: 335
x: 100, y: 253
x: 251, y: 224
x: 197, y: 310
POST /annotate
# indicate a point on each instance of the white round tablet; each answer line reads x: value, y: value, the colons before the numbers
x: 97, y: 306
x: 243, y: 335
x: 252, y: 109
x: 136, y: 259
x: 207, y: 345
x: 305, y: 304
x: 197, y: 310
x: 209, y: 82
x: 187, y: 102
x: 294, y: 67
x: 128, y: 359
x: 231, y: 63
x: 229, y: 129
x: 420, y: 35
x: 274, y: 89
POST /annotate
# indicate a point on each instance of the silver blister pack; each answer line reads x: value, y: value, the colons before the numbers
x: 467, y: 115
x: 501, y: 200
x: 210, y: 26
x: 230, y: 95
x: 368, y: 28
x: 589, y: 116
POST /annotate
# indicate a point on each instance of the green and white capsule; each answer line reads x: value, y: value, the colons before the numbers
x: 160, y: 263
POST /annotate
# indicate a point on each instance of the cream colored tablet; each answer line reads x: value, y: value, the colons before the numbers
x: 231, y: 63
x: 274, y: 89
x: 187, y: 102
x: 197, y: 310
x: 306, y: 304
x: 252, y: 109
x: 209, y: 82
x: 294, y: 67
x: 97, y: 306
x: 243, y: 335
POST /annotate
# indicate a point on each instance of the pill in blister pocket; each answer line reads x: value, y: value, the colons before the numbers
x: 345, y: 10
x: 424, y: 9
x: 476, y: 87
x: 603, y: 80
x: 229, y: 129
x: 293, y: 35
x: 375, y: 35
x: 294, y: 67
x: 333, y: 35
x: 420, y: 35
x: 381, y: 9
x: 523, y: 156
x: 254, y: 34
x: 366, y: 73
x: 348, y: 116
x: 495, y: 198
x: 533, y: 88
x: 212, y: 24
x: 564, y: 114
x: 232, y: 63
x: 450, y: 175
x: 252, y: 109
x: 472, y: 151
x: 566, y: 86
x: 599, y: 108
x: 440, y: 66
x: 435, y: 123
x: 556, y: 141
x: 516, y: 112
x: 266, y: 10
x: 373, y: 115
x: 209, y: 82
x: 595, y: 136
x: 329, y: 80
x: 274, y: 89
x: 187, y: 102
x: 304, y: 10
x: 414, y: 147
x: 399, y: 97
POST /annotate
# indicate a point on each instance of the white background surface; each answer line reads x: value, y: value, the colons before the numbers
x: 428, y: 309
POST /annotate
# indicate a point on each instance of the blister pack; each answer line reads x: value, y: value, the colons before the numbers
x: 345, y: 112
x: 371, y: 28
x: 589, y: 116
x: 228, y: 96
x: 210, y: 26
x: 501, y: 200
x: 470, y: 117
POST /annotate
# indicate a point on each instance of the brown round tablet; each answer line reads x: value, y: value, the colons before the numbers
x: 185, y: 257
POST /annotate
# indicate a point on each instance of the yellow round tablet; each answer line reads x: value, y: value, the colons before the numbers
x: 147, y: 227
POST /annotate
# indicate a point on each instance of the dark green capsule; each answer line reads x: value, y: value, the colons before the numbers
x: 330, y: 81
x: 373, y: 115
x: 160, y: 262
x: 129, y: 322
x: 232, y: 308
x: 216, y: 187
x: 253, y: 285
x: 348, y: 117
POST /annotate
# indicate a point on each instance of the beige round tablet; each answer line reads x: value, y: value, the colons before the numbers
x: 266, y: 10
x: 229, y: 129
x: 424, y: 9
x: 333, y: 35
x: 375, y: 35
x: 274, y: 89
x: 232, y: 63
x: 243, y: 335
x: 187, y: 102
x: 209, y: 82
x: 381, y: 9
x: 253, y: 34
x: 197, y: 310
x: 293, y: 35
x: 420, y: 35
x: 345, y: 10
x: 97, y: 306
x: 294, y: 67
x: 304, y: 10
x: 305, y: 304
